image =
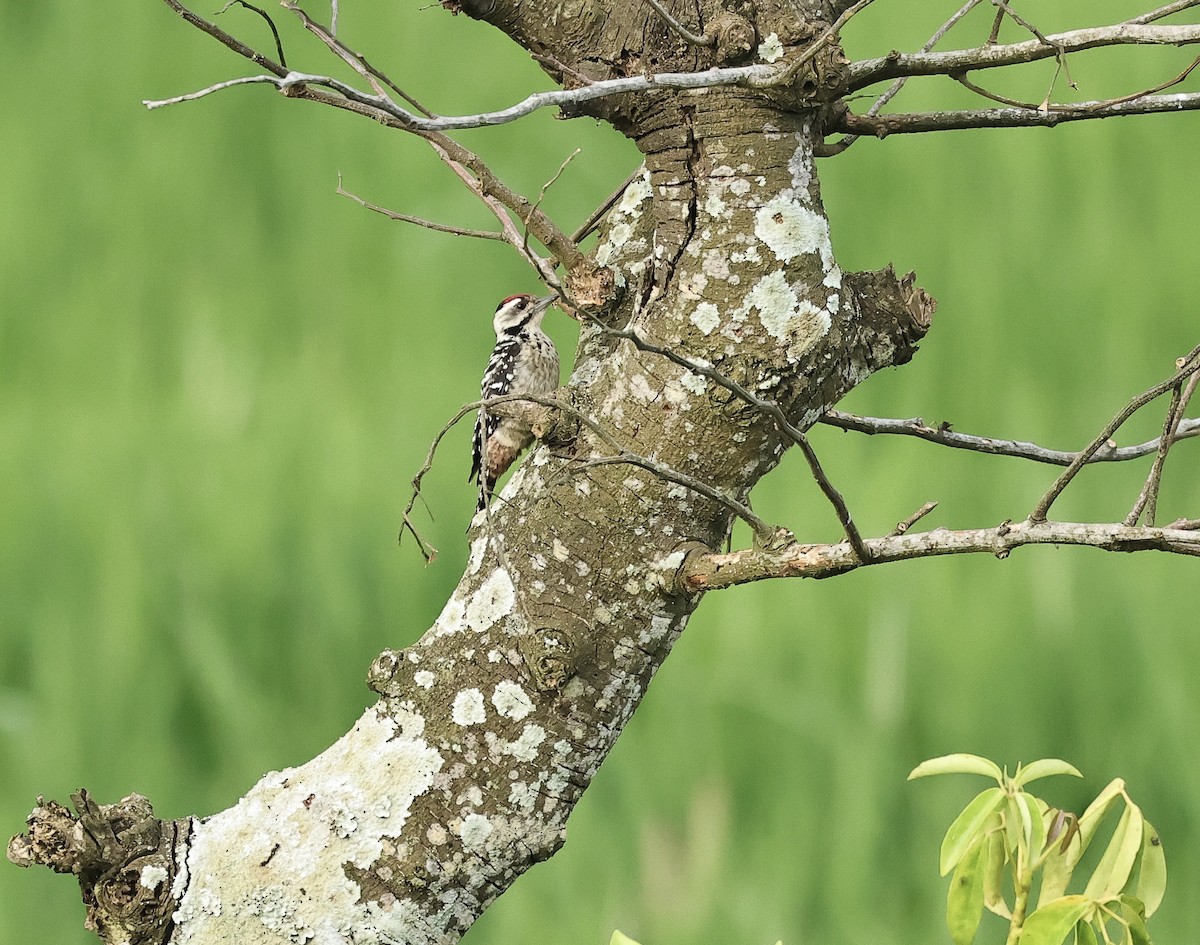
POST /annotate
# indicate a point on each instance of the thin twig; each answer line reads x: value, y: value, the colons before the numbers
x: 869, y: 71
x: 1003, y: 7
x: 810, y: 52
x: 902, y: 527
x: 621, y: 456
x: 894, y: 89
x: 1188, y: 366
x: 333, y: 17
x: 594, y: 218
x: 881, y: 126
x: 1148, y: 498
x: 226, y: 40
x: 1167, y: 10
x: 770, y: 408
x: 270, y: 23
x: 682, y: 31
x: 420, y: 221
x: 542, y: 193
x: 944, y: 436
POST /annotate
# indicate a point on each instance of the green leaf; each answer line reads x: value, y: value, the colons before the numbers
x: 1090, y: 819
x: 957, y: 764
x: 968, y: 826
x: 1085, y: 934
x: 993, y: 875
x: 1044, y: 768
x: 1056, y: 874
x: 1133, y: 912
x: 1152, y: 880
x: 964, y: 902
x: 1051, y: 924
x: 1112, y: 872
x: 620, y: 938
x: 1037, y: 823
x: 1024, y: 816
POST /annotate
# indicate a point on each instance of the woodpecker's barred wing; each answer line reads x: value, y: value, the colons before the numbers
x: 497, y: 381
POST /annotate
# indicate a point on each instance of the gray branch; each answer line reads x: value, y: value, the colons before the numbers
x: 894, y: 65
x: 705, y: 572
x: 944, y: 436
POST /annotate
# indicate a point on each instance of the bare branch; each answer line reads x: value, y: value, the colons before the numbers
x: 680, y: 30
x: 594, y: 218
x: 944, y: 436
x: 704, y: 572
x: 1147, y: 500
x: 1165, y: 11
x: 768, y: 407
x: 893, y: 90
x: 621, y: 456
x: 902, y: 527
x: 869, y: 71
x: 270, y: 23
x: 224, y: 38
x: 1187, y: 366
x: 542, y: 194
x: 420, y: 221
x: 919, y: 122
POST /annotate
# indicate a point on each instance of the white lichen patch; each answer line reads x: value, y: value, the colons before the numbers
x: 524, y: 747
x: 468, y: 708
x: 770, y: 49
x: 305, y: 825
x: 437, y: 834
x: 791, y: 229
x: 559, y: 550
x: 511, y: 701
x: 801, y: 162
x: 637, y: 191
x: 151, y: 877
x: 478, y: 547
x: 796, y: 322
x: 451, y: 618
x: 424, y: 678
x: 693, y: 382
x: 492, y: 601
x: 706, y: 317
x: 475, y: 830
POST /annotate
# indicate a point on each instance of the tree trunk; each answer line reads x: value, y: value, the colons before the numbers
x: 491, y: 726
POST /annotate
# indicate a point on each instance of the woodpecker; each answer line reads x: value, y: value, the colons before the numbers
x: 524, y: 361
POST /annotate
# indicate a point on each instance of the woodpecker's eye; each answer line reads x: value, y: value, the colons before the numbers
x: 522, y: 303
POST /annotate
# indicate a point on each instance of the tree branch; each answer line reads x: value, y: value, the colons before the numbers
x: 869, y: 71
x: 706, y: 571
x: 919, y: 122
x: 944, y: 436
x: 420, y: 221
x: 1187, y: 367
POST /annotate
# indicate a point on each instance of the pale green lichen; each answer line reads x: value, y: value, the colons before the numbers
x: 770, y: 49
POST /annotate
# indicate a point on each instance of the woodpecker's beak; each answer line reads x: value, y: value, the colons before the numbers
x: 545, y: 302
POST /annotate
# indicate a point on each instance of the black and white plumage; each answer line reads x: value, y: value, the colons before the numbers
x: 524, y: 361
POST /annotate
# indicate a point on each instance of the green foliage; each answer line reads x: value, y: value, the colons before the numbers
x: 1006, y: 835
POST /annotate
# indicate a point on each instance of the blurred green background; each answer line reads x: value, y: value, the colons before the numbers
x: 217, y: 377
